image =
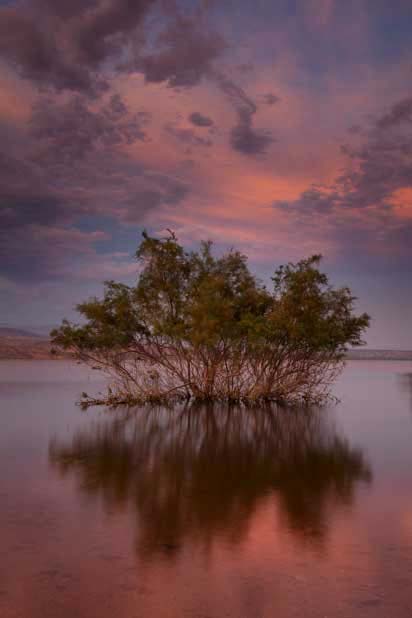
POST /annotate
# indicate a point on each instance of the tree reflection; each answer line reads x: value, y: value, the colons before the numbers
x: 196, y: 473
x: 406, y: 384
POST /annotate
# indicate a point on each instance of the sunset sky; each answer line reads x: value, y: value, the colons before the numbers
x: 281, y: 127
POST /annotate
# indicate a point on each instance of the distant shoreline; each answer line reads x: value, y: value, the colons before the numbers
x: 370, y: 355
x: 40, y: 348
x: 30, y: 348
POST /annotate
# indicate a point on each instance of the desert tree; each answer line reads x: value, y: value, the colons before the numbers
x: 197, y: 326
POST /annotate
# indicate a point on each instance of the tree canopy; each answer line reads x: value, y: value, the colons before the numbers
x: 201, y: 326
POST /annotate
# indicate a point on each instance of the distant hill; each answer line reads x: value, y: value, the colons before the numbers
x: 368, y: 354
x: 16, y: 332
x: 16, y: 344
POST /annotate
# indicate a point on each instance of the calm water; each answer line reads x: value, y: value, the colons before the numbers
x: 204, y: 513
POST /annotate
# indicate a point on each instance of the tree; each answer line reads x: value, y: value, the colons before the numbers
x: 196, y: 326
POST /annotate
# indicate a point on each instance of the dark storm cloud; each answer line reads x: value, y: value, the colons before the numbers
x: 247, y: 140
x: 71, y: 162
x: 18, y: 211
x: 104, y: 31
x: 64, y: 44
x: 399, y: 113
x: 383, y: 163
x: 187, y: 137
x: 311, y: 202
x: 70, y: 45
x: 36, y: 253
x: 24, y: 193
x: 72, y: 129
x: 71, y: 159
x: 187, y: 52
x: 243, y: 136
x: 358, y: 209
x: 155, y: 190
x: 199, y: 120
x: 32, y: 46
x: 380, y: 166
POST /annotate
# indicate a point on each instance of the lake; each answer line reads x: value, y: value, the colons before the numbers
x: 206, y: 512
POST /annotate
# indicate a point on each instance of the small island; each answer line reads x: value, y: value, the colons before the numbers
x: 204, y: 328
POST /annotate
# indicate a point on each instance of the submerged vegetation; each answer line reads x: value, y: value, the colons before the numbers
x: 204, y: 328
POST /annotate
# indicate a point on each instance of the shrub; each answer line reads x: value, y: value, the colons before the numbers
x: 201, y: 327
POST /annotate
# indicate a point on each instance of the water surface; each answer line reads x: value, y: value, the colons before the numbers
x: 204, y: 512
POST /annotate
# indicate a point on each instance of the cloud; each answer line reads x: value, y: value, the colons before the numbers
x: 40, y: 252
x: 78, y: 45
x: 247, y: 140
x: 199, y: 120
x: 270, y: 98
x: 399, y: 113
x: 187, y: 137
x: 78, y: 155
x: 311, y: 202
x: 245, y: 67
x: 244, y: 138
x: 358, y: 209
x: 382, y: 164
x: 188, y: 50
x: 73, y: 129
x: 103, y: 31
x: 71, y: 162
x: 31, y: 44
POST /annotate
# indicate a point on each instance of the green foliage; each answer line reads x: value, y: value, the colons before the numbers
x: 111, y: 322
x: 310, y: 313
x: 204, y: 326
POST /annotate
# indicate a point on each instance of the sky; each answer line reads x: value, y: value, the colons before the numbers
x: 279, y: 127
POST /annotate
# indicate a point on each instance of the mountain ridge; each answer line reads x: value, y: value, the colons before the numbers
x: 6, y: 331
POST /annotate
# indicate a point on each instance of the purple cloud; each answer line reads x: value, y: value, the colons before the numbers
x: 199, y: 120
x: 70, y: 162
x: 244, y: 138
x: 188, y: 50
x: 74, y: 45
x: 358, y: 209
x: 270, y: 98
